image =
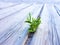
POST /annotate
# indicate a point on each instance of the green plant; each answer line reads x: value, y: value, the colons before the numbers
x: 33, y: 23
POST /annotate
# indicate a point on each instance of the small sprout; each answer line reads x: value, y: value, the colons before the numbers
x: 33, y: 23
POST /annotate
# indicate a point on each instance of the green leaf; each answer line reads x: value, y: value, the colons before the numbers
x: 28, y: 21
